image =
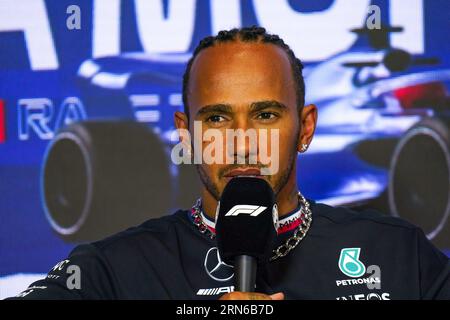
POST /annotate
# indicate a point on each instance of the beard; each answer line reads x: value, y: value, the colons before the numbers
x: 277, y: 185
x: 208, y: 183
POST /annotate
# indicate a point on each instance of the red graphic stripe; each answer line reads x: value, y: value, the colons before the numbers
x: 2, y: 122
x: 211, y: 229
x: 290, y: 226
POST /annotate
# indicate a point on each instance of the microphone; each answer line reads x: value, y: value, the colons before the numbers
x: 246, y: 223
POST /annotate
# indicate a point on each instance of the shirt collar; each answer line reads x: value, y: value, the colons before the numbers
x: 287, y: 223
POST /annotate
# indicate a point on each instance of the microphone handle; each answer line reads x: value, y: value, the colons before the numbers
x: 245, y: 273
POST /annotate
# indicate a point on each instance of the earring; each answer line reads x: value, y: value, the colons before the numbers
x: 304, y: 147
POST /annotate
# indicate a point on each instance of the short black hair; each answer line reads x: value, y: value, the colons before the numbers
x: 248, y: 34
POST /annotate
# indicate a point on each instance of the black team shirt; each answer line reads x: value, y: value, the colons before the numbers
x: 345, y: 255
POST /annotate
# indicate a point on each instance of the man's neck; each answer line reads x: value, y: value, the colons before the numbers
x: 287, y: 201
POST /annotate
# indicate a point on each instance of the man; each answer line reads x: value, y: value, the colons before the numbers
x: 248, y: 79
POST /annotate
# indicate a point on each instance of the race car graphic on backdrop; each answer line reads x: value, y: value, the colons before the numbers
x: 80, y: 100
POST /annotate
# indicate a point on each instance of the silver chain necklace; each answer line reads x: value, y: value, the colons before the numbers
x: 288, y: 245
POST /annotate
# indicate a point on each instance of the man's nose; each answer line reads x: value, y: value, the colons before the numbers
x: 243, y: 146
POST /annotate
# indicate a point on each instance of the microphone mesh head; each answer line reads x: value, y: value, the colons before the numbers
x: 246, y: 219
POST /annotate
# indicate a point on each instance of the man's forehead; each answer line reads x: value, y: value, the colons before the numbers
x: 238, y: 52
x: 232, y: 71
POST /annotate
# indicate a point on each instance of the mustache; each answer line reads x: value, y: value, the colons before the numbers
x: 224, y: 171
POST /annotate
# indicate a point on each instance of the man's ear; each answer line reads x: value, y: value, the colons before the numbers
x: 182, y: 124
x: 308, y: 120
x: 181, y: 120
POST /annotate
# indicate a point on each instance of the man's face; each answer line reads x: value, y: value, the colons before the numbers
x: 245, y: 86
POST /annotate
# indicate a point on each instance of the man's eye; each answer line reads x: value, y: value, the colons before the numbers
x: 215, y: 118
x: 266, y: 116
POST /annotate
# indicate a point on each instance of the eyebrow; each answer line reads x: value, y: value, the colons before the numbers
x: 254, y: 107
x: 266, y: 104
x: 219, y: 108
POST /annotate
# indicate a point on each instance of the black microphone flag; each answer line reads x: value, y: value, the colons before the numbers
x: 246, y: 227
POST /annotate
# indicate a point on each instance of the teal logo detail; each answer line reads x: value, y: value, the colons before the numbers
x: 349, y: 262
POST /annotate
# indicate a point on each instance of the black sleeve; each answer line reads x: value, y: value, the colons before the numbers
x: 85, y: 274
x: 434, y: 270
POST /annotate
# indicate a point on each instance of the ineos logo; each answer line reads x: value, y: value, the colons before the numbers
x: 253, y: 211
x: 216, y: 268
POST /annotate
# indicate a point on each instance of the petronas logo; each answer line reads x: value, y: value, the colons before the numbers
x: 349, y: 262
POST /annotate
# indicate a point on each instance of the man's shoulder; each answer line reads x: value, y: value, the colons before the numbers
x: 144, y: 235
x: 338, y: 215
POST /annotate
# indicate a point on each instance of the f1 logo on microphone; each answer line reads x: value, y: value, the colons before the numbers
x: 253, y: 211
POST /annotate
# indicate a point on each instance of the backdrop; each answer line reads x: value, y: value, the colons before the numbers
x: 88, y: 90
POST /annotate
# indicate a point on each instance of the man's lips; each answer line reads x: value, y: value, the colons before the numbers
x: 243, y: 172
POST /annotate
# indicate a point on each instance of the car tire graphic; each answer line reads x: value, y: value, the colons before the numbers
x: 99, y: 178
x: 419, y: 179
